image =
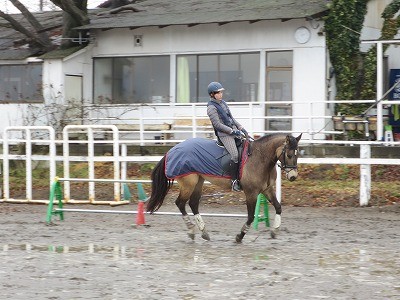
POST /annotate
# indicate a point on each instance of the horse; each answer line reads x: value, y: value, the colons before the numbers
x: 258, y: 175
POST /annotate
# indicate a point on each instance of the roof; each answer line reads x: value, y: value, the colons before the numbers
x: 14, y: 45
x: 144, y: 13
x: 61, y: 53
x: 17, y: 54
x: 161, y: 13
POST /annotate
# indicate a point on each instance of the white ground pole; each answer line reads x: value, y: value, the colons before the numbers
x: 165, y: 213
x: 89, y: 129
x: 28, y: 130
x: 130, y: 211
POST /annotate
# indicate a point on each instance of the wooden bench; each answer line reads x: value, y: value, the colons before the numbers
x: 186, y: 124
x: 148, y: 128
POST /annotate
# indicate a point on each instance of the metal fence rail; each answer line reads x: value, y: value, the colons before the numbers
x: 120, y: 159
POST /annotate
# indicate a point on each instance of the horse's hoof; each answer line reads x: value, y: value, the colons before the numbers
x: 273, y: 234
x: 191, y: 235
x: 205, y: 236
x: 238, y: 238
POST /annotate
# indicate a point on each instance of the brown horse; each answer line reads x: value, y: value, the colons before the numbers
x: 258, y: 176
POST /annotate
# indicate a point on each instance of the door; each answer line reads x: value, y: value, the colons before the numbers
x: 279, y: 89
x: 74, y: 99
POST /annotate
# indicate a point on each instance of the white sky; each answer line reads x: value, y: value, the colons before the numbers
x: 33, y: 5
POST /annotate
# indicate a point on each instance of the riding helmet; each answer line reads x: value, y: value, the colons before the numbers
x: 215, y: 87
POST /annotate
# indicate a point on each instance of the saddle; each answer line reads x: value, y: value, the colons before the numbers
x: 226, y: 157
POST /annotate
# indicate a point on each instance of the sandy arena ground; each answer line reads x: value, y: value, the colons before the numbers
x: 320, y: 253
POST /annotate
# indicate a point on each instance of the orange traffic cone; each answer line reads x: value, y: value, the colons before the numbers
x: 140, y: 214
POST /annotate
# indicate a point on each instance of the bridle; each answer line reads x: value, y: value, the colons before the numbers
x: 283, y: 164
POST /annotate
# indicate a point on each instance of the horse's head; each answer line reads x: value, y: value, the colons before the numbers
x: 287, y: 155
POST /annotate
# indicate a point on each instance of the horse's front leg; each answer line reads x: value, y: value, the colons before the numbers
x: 251, y: 207
x: 270, y: 194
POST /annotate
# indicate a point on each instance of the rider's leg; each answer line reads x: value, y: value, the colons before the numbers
x: 234, y: 169
x: 230, y: 145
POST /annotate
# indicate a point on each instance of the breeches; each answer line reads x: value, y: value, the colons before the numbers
x: 230, y: 145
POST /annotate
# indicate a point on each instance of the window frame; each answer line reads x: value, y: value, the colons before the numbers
x: 201, y: 92
x: 23, y: 75
x: 113, y: 77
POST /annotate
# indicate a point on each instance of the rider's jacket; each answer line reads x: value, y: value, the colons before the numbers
x: 221, y: 118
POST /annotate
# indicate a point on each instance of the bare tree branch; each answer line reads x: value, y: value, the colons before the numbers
x: 42, y: 38
x: 17, y: 26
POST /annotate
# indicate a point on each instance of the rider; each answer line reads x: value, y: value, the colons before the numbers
x: 226, y: 128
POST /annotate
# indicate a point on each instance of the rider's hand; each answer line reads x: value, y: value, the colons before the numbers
x: 236, y: 133
x: 244, y: 132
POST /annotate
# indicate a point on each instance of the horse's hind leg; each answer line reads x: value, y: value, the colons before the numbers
x: 194, y: 205
x: 186, y: 187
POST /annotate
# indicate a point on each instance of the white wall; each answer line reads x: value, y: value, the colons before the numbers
x: 309, y: 75
x: 309, y: 65
x: 309, y: 62
x: 55, y: 70
x: 211, y: 38
x: 11, y: 115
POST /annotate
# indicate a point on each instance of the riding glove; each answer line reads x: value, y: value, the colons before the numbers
x: 236, y: 133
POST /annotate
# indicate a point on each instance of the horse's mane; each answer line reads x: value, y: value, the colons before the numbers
x: 268, y: 137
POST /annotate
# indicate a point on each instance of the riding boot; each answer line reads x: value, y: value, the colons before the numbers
x: 234, y: 170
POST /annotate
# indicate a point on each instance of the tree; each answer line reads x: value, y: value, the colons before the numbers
x: 37, y: 36
x: 355, y: 71
x: 390, y: 28
x: 75, y: 14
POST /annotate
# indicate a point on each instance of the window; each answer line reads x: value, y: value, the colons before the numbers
x: 122, y: 80
x: 21, y: 83
x: 279, y: 88
x: 238, y: 73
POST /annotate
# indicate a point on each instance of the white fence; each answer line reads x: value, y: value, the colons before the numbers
x: 185, y: 120
x: 120, y: 159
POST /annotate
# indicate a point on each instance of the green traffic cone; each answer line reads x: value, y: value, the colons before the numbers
x: 126, y: 194
x: 141, y: 193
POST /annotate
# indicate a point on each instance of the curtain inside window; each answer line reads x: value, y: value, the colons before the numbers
x: 183, y: 84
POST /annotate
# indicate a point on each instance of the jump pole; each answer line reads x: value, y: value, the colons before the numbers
x: 56, y: 192
x: 104, y: 211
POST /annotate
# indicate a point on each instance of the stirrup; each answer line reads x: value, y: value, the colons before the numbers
x: 236, y: 186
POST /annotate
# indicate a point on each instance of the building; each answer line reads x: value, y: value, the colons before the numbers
x: 153, y: 58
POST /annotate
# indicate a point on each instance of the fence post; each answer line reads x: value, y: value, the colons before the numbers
x: 90, y: 139
x: 278, y: 184
x: 365, y: 175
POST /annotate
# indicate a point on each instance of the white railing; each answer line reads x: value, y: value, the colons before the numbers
x: 28, y: 131
x: 309, y: 117
x: 119, y: 158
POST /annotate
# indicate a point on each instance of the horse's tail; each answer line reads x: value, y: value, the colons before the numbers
x: 160, y: 186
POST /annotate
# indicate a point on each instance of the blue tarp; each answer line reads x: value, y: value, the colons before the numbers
x: 195, y: 155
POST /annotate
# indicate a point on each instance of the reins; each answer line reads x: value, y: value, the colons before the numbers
x: 287, y: 168
x: 281, y: 164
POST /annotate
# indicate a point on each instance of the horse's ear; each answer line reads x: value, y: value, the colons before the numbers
x: 287, y: 140
x: 299, y: 137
